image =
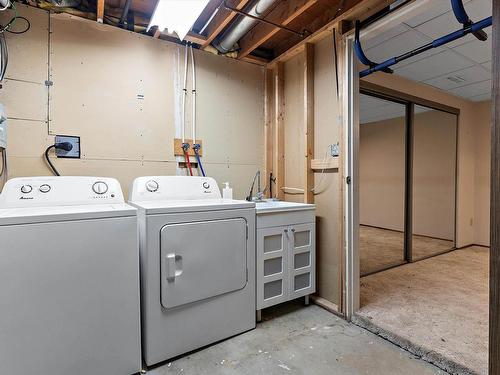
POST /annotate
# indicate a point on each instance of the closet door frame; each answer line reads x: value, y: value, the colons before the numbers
x: 380, y: 92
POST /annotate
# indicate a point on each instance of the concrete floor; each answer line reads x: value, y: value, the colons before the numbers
x: 437, y: 308
x: 293, y: 339
x: 382, y: 248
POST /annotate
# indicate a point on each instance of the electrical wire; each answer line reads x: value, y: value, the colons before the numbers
x: 298, y: 191
x: 54, y: 170
x: 13, y: 21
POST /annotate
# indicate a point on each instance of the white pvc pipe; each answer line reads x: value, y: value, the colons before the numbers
x: 184, y: 94
x: 194, y: 95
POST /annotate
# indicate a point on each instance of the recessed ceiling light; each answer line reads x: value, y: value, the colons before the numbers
x: 177, y: 15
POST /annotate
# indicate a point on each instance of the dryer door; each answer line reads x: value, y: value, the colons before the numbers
x: 200, y: 260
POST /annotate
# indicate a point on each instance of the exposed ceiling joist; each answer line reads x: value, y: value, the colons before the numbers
x: 283, y: 14
x: 222, y: 19
x: 352, y: 10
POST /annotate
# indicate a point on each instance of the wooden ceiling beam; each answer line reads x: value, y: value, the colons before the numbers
x: 222, y: 19
x: 353, y: 9
x: 100, y: 11
x: 283, y: 14
x: 195, y: 38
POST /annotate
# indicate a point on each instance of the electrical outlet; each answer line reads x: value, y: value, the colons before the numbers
x: 335, y: 150
x: 75, y: 151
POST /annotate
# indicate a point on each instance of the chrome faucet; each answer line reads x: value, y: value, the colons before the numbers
x: 260, y: 194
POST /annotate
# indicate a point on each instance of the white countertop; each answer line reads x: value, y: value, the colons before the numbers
x: 273, y: 206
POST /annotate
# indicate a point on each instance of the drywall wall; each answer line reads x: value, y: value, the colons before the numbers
x: 326, y: 132
x: 482, y: 133
x: 120, y: 92
x: 382, y: 174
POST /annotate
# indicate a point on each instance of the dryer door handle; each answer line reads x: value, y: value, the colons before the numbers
x: 170, y: 266
x: 173, y: 266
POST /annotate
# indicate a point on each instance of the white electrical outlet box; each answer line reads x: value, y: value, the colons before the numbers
x: 75, y: 151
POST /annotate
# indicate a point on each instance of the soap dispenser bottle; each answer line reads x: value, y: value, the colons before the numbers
x: 227, y: 192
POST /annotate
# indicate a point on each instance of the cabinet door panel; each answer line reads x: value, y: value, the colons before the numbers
x: 272, y: 265
x: 302, y: 258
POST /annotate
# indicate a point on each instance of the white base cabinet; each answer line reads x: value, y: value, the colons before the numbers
x: 286, y: 255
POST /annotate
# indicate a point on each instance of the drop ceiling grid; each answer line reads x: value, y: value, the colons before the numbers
x: 470, y: 57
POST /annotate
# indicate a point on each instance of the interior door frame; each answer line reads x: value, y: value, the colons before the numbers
x: 494, y: 333
x: 350, y: 127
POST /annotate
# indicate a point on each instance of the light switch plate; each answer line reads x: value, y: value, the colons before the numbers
x: 75, y: 151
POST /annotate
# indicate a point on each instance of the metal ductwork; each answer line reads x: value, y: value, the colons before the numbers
x: 242, y: 26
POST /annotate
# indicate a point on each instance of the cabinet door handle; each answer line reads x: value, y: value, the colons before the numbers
x: 285, y: 230
x: 293, y: 230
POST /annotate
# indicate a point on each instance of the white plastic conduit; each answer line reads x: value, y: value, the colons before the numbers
x: 194, y: 96
x: 184, y: 94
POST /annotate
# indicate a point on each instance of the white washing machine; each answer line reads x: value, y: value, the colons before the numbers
x: 69, y: 278
x: 197, y: 264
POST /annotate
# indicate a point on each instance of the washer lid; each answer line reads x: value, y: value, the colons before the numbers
x: 179, y: 206
x: 29, y: 192
x: 31, y: 215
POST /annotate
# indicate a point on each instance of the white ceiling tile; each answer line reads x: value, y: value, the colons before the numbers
x: 382, y: 37
x: 434, y: 66
x: 478, y: 9
x: 374, y: 109
x: 475, y: 89
x: 481, y: 98
x: 398, y: 45
x: 439, y: 7
x: 464, y: 77
x: 487, y: 65
x: 439, y: 26
x: 476, y: 50
x: 447, y: 23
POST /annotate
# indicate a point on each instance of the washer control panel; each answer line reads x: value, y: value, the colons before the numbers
x: 60, y: 191
x: 174, y: 188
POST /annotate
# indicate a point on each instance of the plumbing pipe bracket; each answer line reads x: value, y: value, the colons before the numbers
x: 462, y: 17
x: 361, y: 54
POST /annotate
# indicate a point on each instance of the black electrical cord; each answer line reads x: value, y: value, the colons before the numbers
x: 54, y: 170
x: 6, y: 27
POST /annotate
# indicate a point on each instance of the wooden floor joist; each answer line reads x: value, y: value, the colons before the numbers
x: 284, y: 13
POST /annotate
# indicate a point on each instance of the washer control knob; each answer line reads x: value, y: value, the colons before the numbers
x: 44, y: 188
x: 206, y: 185
x: 152, y: 186
x: 100, y: 187
x: 25, y: 189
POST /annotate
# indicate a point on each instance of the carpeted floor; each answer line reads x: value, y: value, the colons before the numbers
x: 382, y: 248
x: 436, y: 308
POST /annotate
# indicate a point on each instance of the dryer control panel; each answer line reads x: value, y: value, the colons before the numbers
x: 174, y: 188
x: 60, y: 191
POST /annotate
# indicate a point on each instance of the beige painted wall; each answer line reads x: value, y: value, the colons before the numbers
x: 382, y: 174
x: 482, y: 173
x: 99, y: 74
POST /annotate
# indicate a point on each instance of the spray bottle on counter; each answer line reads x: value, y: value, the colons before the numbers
x: 227, y: 192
